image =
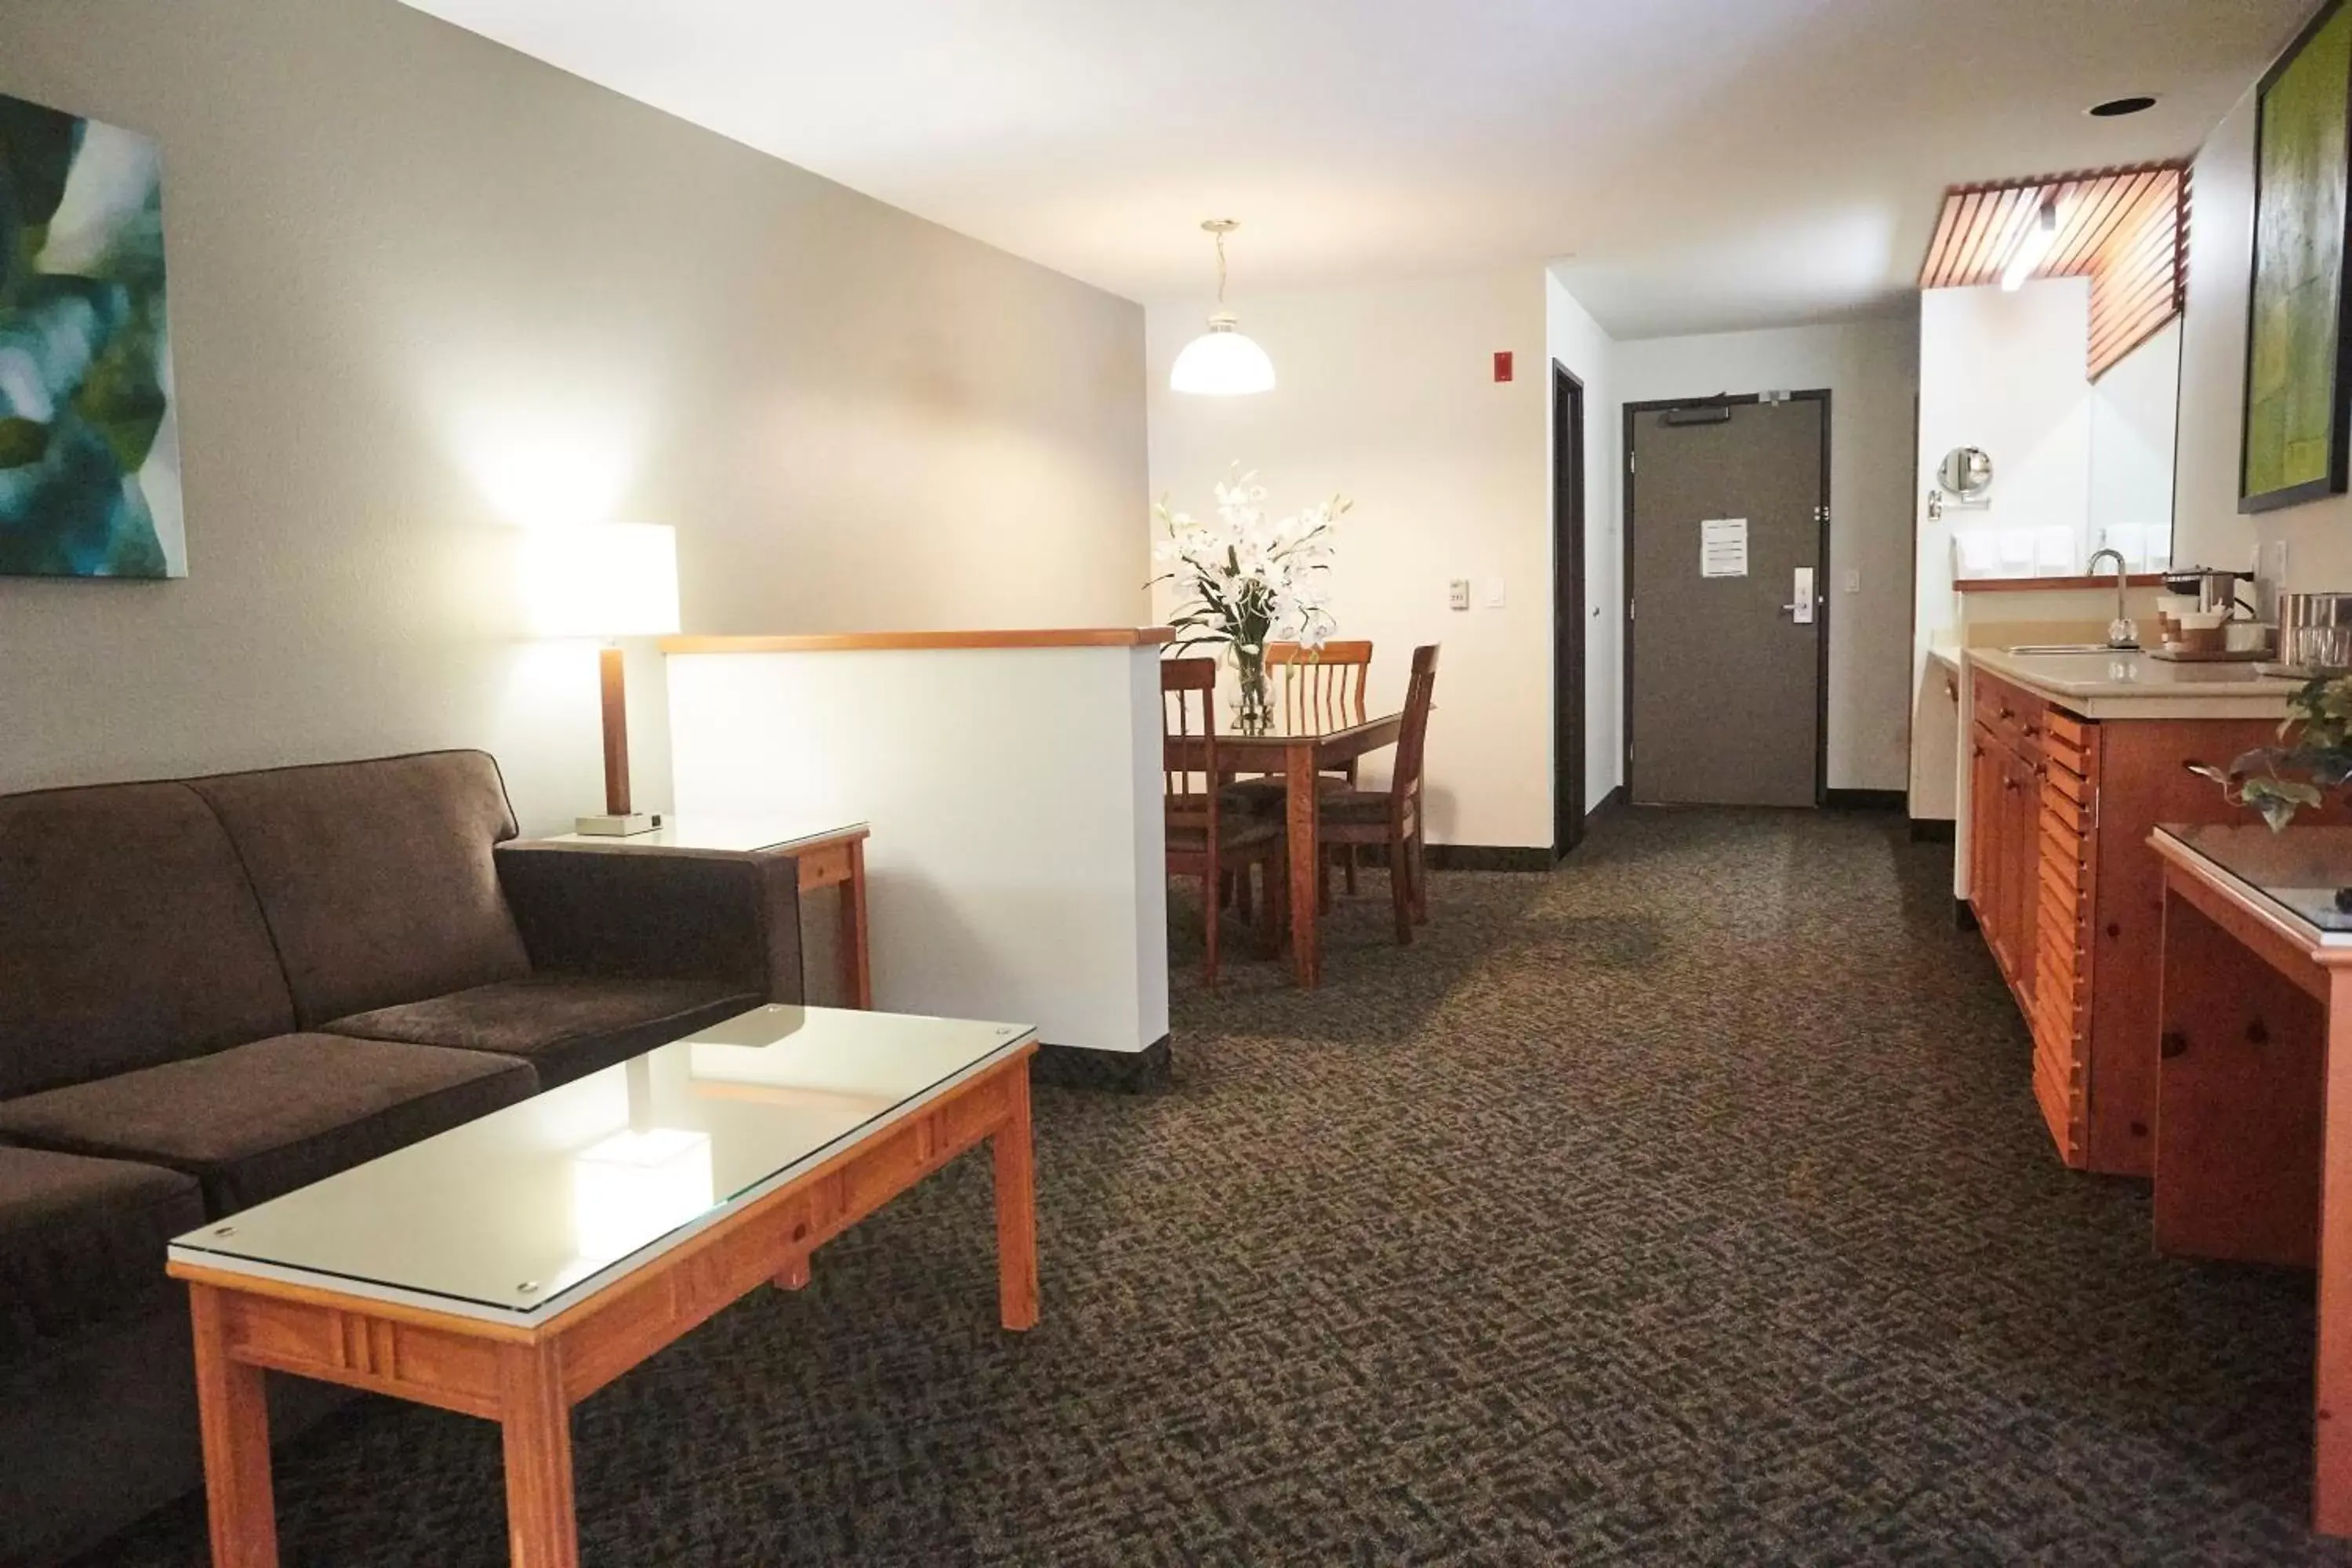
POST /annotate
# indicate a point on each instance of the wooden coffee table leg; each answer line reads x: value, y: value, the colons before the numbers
x: 233, y: 1407
x: 1016, y: 1211
x: 541, y: 1530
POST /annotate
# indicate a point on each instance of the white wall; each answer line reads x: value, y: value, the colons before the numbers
x: 2134, y: 421
x: 1577, y: 341
x: 1385, y: 392
x: 423, y: 287
x: 1871, y: 369
x: 2210, y: 529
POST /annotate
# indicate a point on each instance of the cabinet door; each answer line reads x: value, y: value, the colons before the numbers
x: 2020, y: 869
x: 1984, y: 832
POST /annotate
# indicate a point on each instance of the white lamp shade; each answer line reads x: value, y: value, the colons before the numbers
x: 601, y: 579
x: 1221, y: 362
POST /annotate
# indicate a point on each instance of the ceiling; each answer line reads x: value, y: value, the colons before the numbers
x: 1693, y: 165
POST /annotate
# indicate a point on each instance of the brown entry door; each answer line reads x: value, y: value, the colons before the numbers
x: 1727, y: 603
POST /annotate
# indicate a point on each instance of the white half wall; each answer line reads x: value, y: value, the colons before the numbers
x: 1386, y: 393
x: 1017, y: 869
x: 1871, y: 369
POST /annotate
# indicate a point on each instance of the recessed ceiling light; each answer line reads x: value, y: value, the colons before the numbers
x: 2117, y: 108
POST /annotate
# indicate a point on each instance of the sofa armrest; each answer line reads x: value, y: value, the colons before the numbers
x: 657, y: 914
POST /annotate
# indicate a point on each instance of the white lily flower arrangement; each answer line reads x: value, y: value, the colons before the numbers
x: 1248, y: 579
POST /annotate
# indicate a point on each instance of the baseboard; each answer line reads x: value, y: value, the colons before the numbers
x: 1934, y: 830
x: 1123, y: 1072
x: 1865, y: 799
x: 1488, y: 857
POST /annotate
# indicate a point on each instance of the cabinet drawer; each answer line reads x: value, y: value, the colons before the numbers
x: 2013, y: 716
x: 2063, y: 893
x: 2062, y: 1111
x: 2066, y: 742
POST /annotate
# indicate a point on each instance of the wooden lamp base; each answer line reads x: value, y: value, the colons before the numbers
x: 616, y: 820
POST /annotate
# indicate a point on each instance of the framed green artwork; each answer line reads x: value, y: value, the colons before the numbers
x: 2294, y: 447
x: 89, y: 450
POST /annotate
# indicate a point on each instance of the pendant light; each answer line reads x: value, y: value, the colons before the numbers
x: 1221, y: 362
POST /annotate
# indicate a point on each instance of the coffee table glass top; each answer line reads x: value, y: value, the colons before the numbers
x: 511, y: 1217
x: 2298, y: 871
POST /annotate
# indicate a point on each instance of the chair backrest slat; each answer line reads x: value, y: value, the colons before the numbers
x: 1412, y: 736
x: 1322, y: 688
x: 1181, y: 681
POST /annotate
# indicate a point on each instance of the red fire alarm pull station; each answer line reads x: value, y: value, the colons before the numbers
x: 1502, y: 366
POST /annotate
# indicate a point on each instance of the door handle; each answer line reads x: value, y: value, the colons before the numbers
x: 1800, y: 609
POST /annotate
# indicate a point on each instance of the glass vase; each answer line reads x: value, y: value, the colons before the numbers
x: 1253, y: 703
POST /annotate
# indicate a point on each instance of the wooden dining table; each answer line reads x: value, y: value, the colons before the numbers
x: 1298, y: 747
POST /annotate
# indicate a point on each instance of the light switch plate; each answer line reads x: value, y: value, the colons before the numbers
x: 1459, y: 594
x: 1494, y: 593
x: 1853, y: 581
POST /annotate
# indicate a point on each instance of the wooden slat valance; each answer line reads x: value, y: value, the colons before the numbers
x: 2125, y: 229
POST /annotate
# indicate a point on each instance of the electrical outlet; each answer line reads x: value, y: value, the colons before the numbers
x: 1457, y: 594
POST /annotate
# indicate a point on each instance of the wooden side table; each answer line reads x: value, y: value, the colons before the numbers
x: 828, y: 855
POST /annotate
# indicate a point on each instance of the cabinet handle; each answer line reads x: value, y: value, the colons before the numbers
x: 2009, y: 784
x: 2006, y: 712
x: 2030, y: 731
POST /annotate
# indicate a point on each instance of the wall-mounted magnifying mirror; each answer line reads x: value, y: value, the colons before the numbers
x: 1966, y: 473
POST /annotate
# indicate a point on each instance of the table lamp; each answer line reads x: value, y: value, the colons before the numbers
x: 609, y: 581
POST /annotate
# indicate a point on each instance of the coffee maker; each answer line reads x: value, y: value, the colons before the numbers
x: 2215, y: 588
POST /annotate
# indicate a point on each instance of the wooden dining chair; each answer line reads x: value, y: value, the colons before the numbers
x: 1392, y: 817
x: 1316, y: 689
x: 1211, y: 836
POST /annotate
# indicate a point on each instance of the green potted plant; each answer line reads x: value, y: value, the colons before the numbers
x: 2314, y: 756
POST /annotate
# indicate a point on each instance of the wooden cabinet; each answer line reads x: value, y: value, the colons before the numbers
x: 2070, y: 898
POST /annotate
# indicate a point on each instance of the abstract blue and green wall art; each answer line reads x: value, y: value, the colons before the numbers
x: 89, y: 449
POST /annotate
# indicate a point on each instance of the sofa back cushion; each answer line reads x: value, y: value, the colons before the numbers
x: 128, y: 936
x: 377, y: 878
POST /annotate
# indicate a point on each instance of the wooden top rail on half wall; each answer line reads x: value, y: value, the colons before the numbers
x: 856, y: 642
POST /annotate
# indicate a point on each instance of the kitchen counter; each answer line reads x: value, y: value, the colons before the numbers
x: 2134, y: 686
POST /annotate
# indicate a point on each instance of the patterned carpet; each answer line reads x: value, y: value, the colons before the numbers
x: 1686, y: 1206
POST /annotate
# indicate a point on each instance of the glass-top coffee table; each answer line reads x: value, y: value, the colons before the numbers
x: 510, y: 1268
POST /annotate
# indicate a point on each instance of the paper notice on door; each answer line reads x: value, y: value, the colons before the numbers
x: 1723, y: 547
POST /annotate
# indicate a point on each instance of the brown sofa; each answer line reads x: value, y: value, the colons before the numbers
x: 214, y: 991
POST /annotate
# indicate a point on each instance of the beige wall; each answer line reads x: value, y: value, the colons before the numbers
x: 1386, y: 392
x: 2207, y: 529
x: 424, y: 288
x: 1871, y: 369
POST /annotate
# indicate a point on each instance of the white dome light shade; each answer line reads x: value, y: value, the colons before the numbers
x: 1221, y: 362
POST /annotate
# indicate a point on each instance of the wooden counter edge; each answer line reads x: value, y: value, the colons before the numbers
x: 860, y: 642
x: 2050, y: 584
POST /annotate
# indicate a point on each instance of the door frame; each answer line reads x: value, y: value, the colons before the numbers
x: 1828, y: 510
x: 1570, y: 694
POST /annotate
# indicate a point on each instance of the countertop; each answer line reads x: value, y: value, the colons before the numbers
x: 2135, y: 686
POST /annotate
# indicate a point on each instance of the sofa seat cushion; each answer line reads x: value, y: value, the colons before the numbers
x: 83, y: 1240
x: 566, y: 1026
x: 257, y: 1121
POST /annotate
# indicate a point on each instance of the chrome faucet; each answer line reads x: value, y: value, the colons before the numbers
x: 2122, y: 632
